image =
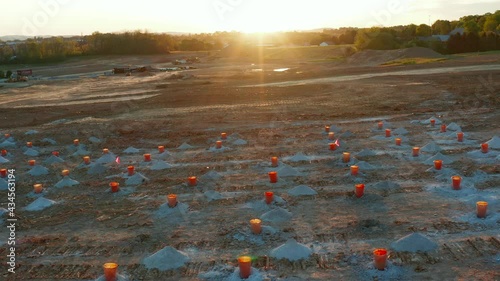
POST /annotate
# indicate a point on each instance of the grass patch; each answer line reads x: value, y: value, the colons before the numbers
x: 411, y: 61
x: 475, y: 54
x: 330, y: 59
x: 308, y: 53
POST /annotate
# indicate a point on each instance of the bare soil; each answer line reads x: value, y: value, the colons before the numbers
x: 90, y: 226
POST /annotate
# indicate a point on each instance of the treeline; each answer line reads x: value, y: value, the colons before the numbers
x: 135, y: 43
x: 128, y: 43
x: 480, y: 33
x: 54, y: 49
x: 387, y: 39
x: 476, y: 33
x: 471, y: 42
x: 58, y: 48
x: 142, y: 43
x: 39, y: 50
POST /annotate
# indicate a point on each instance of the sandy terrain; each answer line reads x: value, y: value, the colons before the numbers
x: 277, y: 113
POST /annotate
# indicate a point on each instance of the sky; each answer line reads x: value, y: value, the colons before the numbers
x: 75, y: 17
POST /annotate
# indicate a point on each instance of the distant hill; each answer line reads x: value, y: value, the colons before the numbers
x: 13, y: 37
x: 23, y: 37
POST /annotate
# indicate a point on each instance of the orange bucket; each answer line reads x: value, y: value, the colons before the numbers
x: 354, y: 170
x: 110, y: 271
x: 172, y: 200
x: 256, y: 226
x: 37, y: 188
x: 346, y: 157
x: 331, y: 135
x: 86, y: 160
x: 273, y: 177
x: 438, y: 164
x: 269, y: 196
x: 192, y: 181
x: 481, y: 207
x: 131, y: 170
x: 415, y: 151
x: 274, y: 161
x: 245, y: 265
x: 455, y: 182
x: 443, y: 128
x: 484, y: 148
x: 115, y: 186
x: 380, y: 258
x: 359, y: 190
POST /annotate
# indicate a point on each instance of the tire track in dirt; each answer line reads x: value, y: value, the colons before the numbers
x: 195, y: 109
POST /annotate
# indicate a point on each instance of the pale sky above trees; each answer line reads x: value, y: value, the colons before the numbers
x: 74, y: 17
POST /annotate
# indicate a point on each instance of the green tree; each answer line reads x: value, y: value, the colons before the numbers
x: 362, y: 40
x: 497, y: 15
x: 454, y: 24
x: 375, y: 39
x: 319, y: 39
x: 192, y: 45
x: 409, y: 31
x: 6, y: 53
x: 53, y: 49
x: 423, y: 30
x: 490, y: 24
x: 438, y: 46
x: 482, y: 20
x: 30, y: 51
x: 472, y: 27
x: 218, y: 44
x: 487, y: 41
x: 471, y: 42
x: 441, y: 27
x: 348, y: 37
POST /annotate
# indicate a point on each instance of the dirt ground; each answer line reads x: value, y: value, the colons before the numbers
x: 90, y: 226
